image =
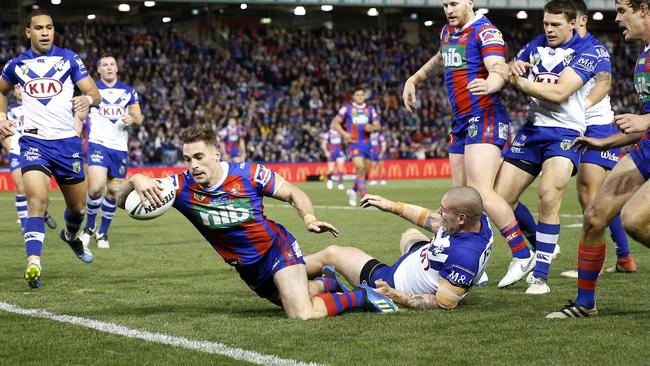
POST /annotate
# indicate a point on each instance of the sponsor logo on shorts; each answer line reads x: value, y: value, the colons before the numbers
x: 503, y: 130
x: 96, y: 157
x: 488, y: 132
x: 566, y: 144
x: 76, y: 167
x: 608, y: 155
x: 472, y: 130
x: 296, y: 249
x: 122, y: 169
x: 32, y: 154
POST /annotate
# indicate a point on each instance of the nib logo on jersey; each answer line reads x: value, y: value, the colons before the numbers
x: 43, y: 88
x: 453, y: 56
x: 219, y: 215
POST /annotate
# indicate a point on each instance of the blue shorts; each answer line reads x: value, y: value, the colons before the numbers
x: 259, y: 275
x: 360, y: 150
x: 606, y: 159
x: 374, y: 270
x: 640, y: 154
x: 533, y: 145
x: 233, y: 153
x: 62, y: 158
x: 375, y: 154
x: 113, y: 160
x: 14, y: 161
x: 337, y: 155
x: 490, y: 126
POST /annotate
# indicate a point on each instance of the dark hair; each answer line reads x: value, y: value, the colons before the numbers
x: 581, y: 7
x: 636, y: 4
x: 36, y: 13
x: 565, y: 7
x: 198, y: 133
x: 357, y: 88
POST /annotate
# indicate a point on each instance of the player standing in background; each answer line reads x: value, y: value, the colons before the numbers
x: 233, y: 137
x: 378, y: 148
x: 224, y: 202
x: 559, y: 64
x: 331, y: 143
x: 108, y: 149
x: 360, y: 120
x: 470, y: 47
x: 50, y: 145
x: 626, y: 189
x: 15, y: 113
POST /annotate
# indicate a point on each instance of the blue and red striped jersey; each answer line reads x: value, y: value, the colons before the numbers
x: 356, y: 118
x: 463, y: 51
x: 230, y: 215
x: 334, y: 141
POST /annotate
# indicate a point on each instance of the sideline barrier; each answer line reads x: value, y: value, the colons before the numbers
x: 297, y: 172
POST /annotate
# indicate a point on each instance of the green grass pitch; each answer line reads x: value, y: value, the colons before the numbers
x: 161, y: 276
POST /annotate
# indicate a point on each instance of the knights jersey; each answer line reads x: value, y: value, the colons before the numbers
x: 459, y: 258
x: 548, y: 62
x: 356, y: 118
x: 463, y: 51
x: 107, y: 127
x: 334, y: 141
x: 47, y: 87
x: 230, y: 215
x: 642, y: 79
x: 601, y: 113
x: 16, y: 113
x: 376, y: 140
x: 231, y: 137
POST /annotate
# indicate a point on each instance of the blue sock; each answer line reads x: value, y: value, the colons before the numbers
x: 526, y: 224
x: 73, y: 221
x: 34, y: 235
x: 108, y: 211
x: 21, y: 207
x: 619, y: 238
x: 547, y: 236
x: 92, y: 207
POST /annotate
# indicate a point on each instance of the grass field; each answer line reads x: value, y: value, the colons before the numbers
x: 161, y: 276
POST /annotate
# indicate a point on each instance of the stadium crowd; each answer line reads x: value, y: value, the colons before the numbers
x: 284, y: 86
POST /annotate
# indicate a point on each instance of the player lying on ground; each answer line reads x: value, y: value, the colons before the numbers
x: 224, y: 202
x: 430, y: 274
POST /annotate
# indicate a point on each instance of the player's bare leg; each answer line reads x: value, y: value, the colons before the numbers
x: 330, y: 172
x: 636, y: 215
x: 349, y: 262
x: 361, y: 165
x: 382, y: 172
x: 97, y: 179
x: 457, y: 163
x: 340, y: 163
x: 510, y: 182
x: 409, y: 238
x: 556, y: 174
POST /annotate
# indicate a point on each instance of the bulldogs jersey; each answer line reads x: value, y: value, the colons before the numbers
x: 231, y: 215
x: 601, y: 113
x: 548, y: 63
x: 463, y: 51
x: 460, y: 259
x: 334, y: 141
x: 16, y: 113
x: 356, y: 117
x: 47, y: 87
x: 107, y: 128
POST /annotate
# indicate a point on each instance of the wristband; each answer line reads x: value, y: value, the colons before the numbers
x: 424, y: 214
x: 308, y: 219
x: 3, y: 116
x: 398, y: 208
x: 90, y: 99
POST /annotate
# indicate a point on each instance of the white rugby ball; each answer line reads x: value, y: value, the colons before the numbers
x: 139, y: 210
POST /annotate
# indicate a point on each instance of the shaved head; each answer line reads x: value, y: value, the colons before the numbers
x: 466, y: 200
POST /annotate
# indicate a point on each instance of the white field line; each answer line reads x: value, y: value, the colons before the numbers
x: 201, y: 346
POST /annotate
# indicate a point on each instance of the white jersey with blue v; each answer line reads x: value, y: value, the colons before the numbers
x: 47, y: 87
x: 548, y: 63
x: 107, y: 127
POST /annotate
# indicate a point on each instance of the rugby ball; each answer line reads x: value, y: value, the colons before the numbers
x: 139, y: 210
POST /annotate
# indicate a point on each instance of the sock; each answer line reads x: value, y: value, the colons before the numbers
x: 590, y: 261
x: 21, y: 207
x: 339, y: 302
x: 329, y: 284
x: 360, y: 184
x: 526, y: 224
x: 108, y: 211
x: 547, y: 236
x: 92, y: 207
x: 34, y: 235
x: 72, y: 222
x: 515, y: 240
x: 340, y: 178
x: 619, y: 238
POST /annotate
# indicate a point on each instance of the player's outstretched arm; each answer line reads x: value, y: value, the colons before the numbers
x: 433, y: 66
x: 568, y: 83
x: 6, y: 125
x: 583, y: 143
x: 600, y: 89
x: 447, y: 297
x: 632, y: 123
x: 417, y: 215
x: 301, y: 202
x: 148, y: 189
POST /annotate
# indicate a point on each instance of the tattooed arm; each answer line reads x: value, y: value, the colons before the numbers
x: 433, y: 66
x: 447, y: 297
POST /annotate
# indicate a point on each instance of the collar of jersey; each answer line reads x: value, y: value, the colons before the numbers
x: 477, y: 17
x: 358, y: 105
x: 224, y: 168
x: 33, y: 54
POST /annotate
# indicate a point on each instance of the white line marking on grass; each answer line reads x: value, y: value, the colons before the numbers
x: 201, y: 346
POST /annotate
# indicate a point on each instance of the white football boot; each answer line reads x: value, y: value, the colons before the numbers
x: 517, y: 269
x: 352, y: 197
x: 537, y: 286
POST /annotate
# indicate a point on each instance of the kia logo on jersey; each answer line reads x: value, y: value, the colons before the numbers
x: 112, y: 111
x: 43, y: 88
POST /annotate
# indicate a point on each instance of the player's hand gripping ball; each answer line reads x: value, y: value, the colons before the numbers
x: 140, y: 210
